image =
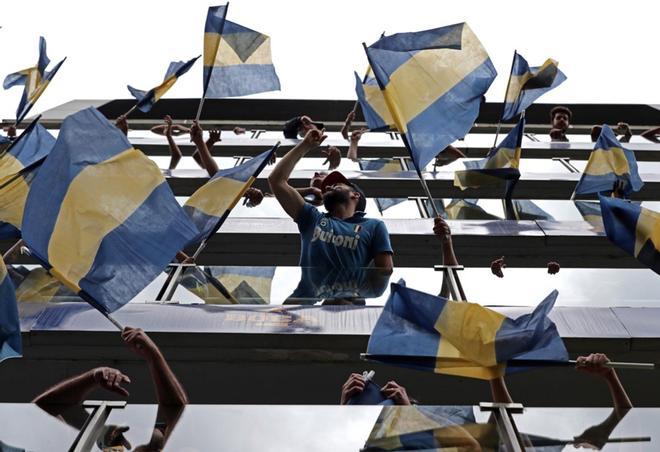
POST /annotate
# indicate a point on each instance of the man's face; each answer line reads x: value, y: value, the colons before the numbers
x: 560, y: 121
x: 337, y: 194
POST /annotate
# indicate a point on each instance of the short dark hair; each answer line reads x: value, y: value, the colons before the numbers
x: 560, y: 109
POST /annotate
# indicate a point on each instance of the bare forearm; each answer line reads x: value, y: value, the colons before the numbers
x: 168, y: 389
x: 448, y: 256
x: 620, y: 398
x: 174, y: 151
x: 207, y: 160
x: 68, y: 392
x: 283, y: 170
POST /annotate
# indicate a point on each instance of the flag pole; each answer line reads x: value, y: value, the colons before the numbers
x: 517, y: 362
x: 506, y: 94
x: 131, y: 110
x: 199, y: 108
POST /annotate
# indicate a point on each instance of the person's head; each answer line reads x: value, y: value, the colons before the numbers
x: 299, y: 126
x: 560, y: 117
x: 338, y: 190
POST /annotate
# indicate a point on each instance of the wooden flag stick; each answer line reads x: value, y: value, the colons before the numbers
x: 131, y: 110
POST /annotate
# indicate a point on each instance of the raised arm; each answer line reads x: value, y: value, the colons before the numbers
x: 597, y: 435
x: 652, y: 134
x: 441, y: 229
x: 74, y: 390
x: 197, y: 137
x: 175, y: 152
x: 595, y: 364
x: 288, y: 197
x: 168, y: 389
x: 122, y: 124
x: 346, y: 128
x: 352, y: 153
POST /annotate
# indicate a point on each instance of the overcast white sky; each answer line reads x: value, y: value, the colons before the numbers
x: 606, y: 48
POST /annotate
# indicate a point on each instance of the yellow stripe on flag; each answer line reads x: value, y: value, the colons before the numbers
x: 99, y: 199
x: 471, y: 329
x: 607, y: 161
x: 213, y: 198
x: 648, y: 228
x: 416, y: 89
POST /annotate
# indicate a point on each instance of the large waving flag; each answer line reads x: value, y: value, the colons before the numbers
x: 384, y: 165
x: 35, y: 79
x: 100, y: 215
x: 147, y: 99
x: 501, y: 163
x: 430, y: 333
x: 634, y: 229
x: 433, y: 82
x: 18, y: 167
x: 609, y: 162
x: 372, y: 102
x: 210, y: 205
x: 237, y: 60
x: 10, y: 328
x: 526, y: 84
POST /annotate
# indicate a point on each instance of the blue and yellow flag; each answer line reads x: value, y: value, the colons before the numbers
x: 430, y: 333
x: 147, y: 99
x: 35, y: 79
x: 430, y: 428
x: 433, y: 82
x: 634, y: 229
x: 501, y: 163
x: 383, y: 165
x: 100, y: 215
x: 590, y: 212
x: 526, y: 84
x: 609, y: 162
x: 237, y: 60
x: 18, y: 167
x: 372, y: 102
x: 10, y: 327
x: 210, y: 205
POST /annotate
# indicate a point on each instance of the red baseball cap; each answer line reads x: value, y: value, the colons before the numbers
x: 336, y: 177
